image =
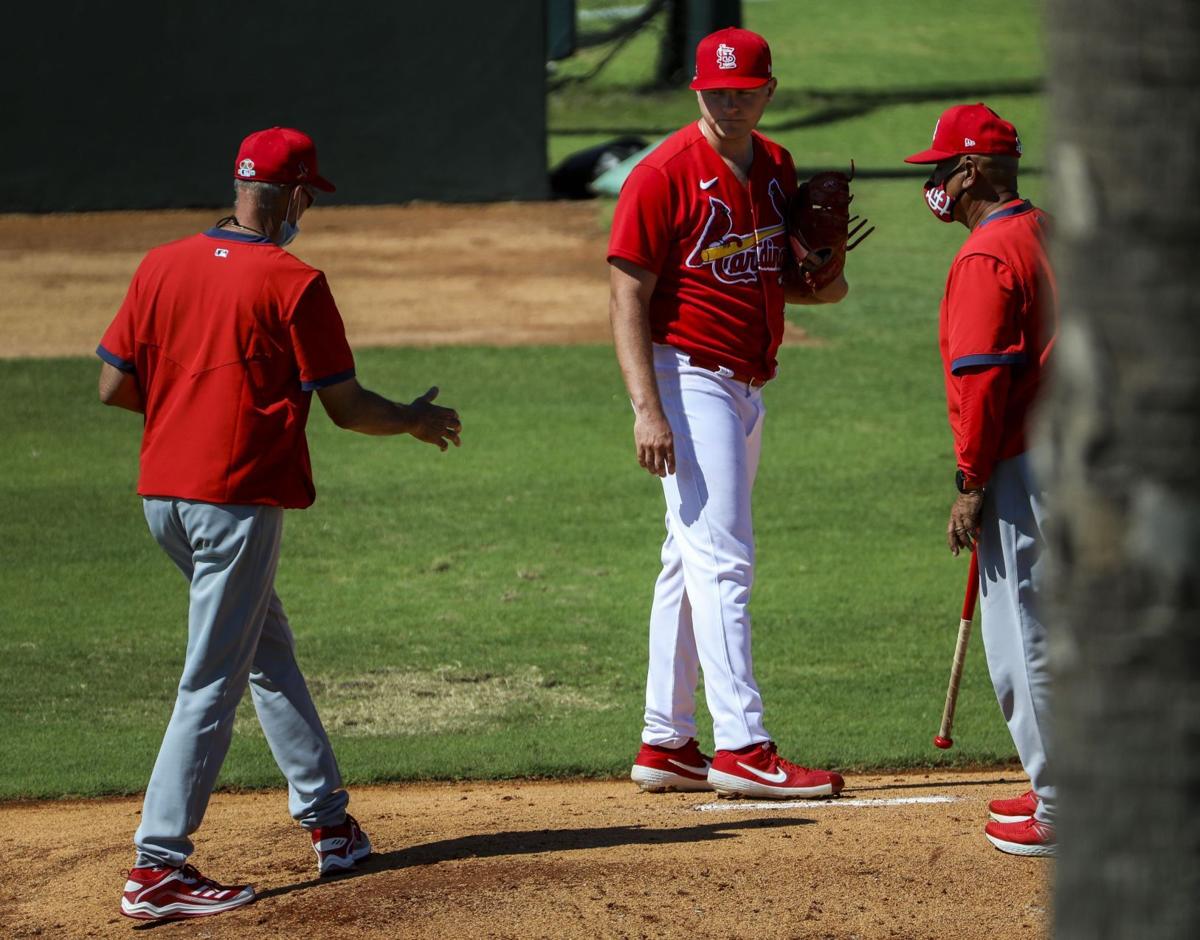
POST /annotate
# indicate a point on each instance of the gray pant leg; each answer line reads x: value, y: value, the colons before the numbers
x: 292, y: 728
x: 1012, y: 573
x: 229, y: 555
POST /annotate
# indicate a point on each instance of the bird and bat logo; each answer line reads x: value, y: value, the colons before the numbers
x: 738, y: 258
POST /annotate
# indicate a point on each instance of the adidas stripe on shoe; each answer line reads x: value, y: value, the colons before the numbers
x: 162, y: 893
x: 341, y: 847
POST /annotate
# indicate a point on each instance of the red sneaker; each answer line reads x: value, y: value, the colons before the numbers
x: 1028, y: 837
x: 162, y: 893
x: 1016, y: 810
x: 758, y: 770
x: 658, y: 769
x: 340, y: 848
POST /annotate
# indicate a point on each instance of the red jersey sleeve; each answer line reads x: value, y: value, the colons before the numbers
x: 979, y: 432
x: 641, y: 229
x: 118, y: 346
x: 984, y: 314
x: 319, y: 338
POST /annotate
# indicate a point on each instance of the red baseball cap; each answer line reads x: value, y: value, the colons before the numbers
x: 969, y: 128
x: 280, y: 155
x: 732, y: 58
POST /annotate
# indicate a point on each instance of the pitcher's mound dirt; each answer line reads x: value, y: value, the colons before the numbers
x: 560, y: 859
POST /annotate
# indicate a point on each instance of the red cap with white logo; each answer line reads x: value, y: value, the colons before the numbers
x: 280, y: 155
x: 969, y: 128
x: 732, y: 58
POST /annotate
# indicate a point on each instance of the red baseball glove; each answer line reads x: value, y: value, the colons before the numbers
x: 819, y: 227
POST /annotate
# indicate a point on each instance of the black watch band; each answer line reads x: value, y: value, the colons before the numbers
x: 960, y: 481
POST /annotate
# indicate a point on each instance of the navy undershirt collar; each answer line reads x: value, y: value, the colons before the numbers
x: 1023, y: 206
x: 245, y: 237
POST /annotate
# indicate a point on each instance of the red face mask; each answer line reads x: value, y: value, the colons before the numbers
x: 940, y: 202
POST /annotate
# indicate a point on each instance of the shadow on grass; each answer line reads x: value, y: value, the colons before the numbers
x: 834, y: 106
x: 829, y: 107
x: 496, y: 844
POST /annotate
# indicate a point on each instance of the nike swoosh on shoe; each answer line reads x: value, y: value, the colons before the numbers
x: 698, y: 771
x: 778, y: 777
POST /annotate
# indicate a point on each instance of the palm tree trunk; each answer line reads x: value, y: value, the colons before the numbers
x: 1120, y: 447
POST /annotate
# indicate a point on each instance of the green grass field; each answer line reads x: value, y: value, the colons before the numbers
x: 483, y: 613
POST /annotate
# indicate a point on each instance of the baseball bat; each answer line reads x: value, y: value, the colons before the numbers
x: 942, y: 739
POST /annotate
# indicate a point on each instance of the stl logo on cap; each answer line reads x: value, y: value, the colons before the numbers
x: 246, y: 168
x: 731, y: 58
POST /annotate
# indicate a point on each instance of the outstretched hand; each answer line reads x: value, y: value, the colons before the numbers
x: 434, y: 424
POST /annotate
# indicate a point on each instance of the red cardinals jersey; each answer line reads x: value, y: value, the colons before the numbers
x: 999, y: 310
x: 718, y: 248
x: 228, y: 335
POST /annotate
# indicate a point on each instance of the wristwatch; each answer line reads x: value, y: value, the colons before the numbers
x: 960, y: 480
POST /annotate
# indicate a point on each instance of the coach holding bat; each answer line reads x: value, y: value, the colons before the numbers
x: 997, y: 327
x: 220, y: 343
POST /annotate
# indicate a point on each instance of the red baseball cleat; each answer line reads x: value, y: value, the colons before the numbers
x: 340, y: 848
x: 162, y: 893
x: 1015, y: 810
x: 758, y: 770
x: 1028, y: 837
x: 658, y: 769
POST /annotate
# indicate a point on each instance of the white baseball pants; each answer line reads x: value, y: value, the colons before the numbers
x: 1011, y: 582
x: 700, y: 618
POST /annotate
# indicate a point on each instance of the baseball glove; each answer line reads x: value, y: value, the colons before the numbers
x: 819, y: 227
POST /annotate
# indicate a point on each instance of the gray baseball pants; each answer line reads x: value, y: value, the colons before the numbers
x: 1011, y: 584
x: 237, y: 634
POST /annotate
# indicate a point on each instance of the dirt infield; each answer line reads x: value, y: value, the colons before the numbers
x: 503, y: 274
x: 521, y: 860
x: 561, y: 859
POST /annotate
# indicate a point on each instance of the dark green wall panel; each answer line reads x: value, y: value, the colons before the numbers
x: 142, y: 105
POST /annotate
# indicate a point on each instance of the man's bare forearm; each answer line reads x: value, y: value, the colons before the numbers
x: 376, y: 415
x: 355, y: 408
x: 629, y: 314
x: 635, y: 354
x: 629, y: 311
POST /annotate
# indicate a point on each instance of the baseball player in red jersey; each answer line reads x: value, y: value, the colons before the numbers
x: 220, y: 343
x: 997, y: 327
x: 698, y: 256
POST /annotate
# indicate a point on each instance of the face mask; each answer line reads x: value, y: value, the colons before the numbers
x: 288, y: 230
x: 287, y: 233
x: 940, y: 202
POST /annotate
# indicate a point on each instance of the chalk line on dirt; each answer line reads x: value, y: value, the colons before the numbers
x: 811, y: 804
